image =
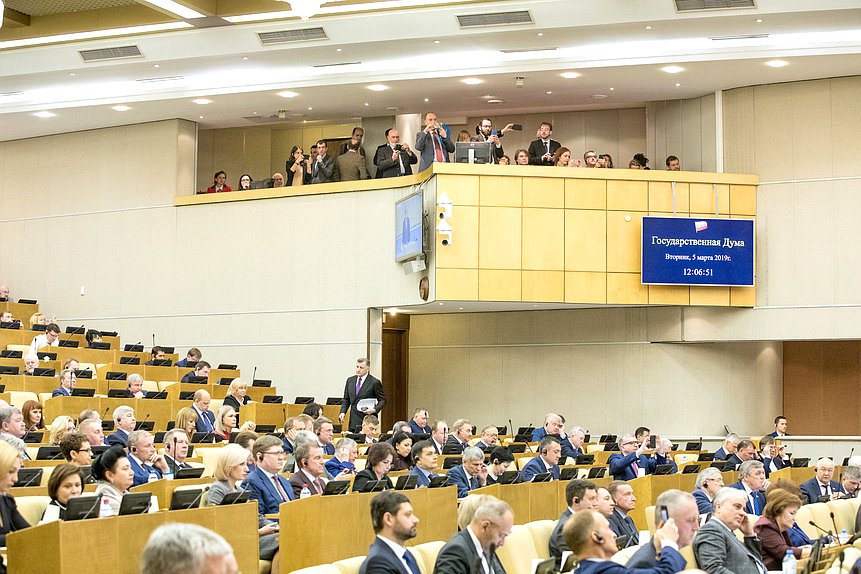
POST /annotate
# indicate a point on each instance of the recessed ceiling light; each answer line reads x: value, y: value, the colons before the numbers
x: 253, y: 113
x: 44, y: 114
x: 672, y: 69
x: 176, y: 8
x: 776, y: 63
x: 436, y: 42
x: 71, y: 73
x: 540, y: 34
x: 472, y: 81
x: 338, y: 50
x: 310, y: 108
x: 201, y: 117
x: 648, y: 27
x: 461, y: 308
x: 120, y: 108
x: 599, y: 96
x: 442, y: 303
x: 612, y: 89
x: 288, y: 94
x: 487, y: 97
x: 427, y: 100
x: 378, y: 88
x: 366, y: 103
x: 201, y: 101
x: 156, y: 66
x: 677, y: 85
x: 759, y: 20
x: 245, y: 57
x: 495, y: 101
x: 570, y: 75
x: 549, y: 91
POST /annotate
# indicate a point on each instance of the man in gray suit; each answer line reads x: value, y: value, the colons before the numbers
x: 433, y: 143
x: 473, y: 549
x: 324, y: 169
x: 716, y: 547
x: 351, y: 164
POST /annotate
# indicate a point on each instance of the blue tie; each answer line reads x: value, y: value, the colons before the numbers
x: 411, y: 562
x: 755, y: 503
x: 206, y: 422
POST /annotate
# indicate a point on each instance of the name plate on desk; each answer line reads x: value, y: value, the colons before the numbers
x: 696, y: 251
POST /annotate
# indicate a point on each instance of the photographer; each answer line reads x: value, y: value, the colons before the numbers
x: 394, y: 158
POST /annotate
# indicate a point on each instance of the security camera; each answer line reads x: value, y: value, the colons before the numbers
x: 444, y: 202
x: 445, y: 230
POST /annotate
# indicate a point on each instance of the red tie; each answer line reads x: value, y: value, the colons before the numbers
x: 437, y: 147
x: 318, y: 486
x: 280, y: 489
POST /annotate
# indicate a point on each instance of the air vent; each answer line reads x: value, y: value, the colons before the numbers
x: 290, y: 36
x: 338, y: 64
x: 161, y: 79
x: 738, y: 37
x: 553, y: 49
x: 695, y: 5
x: 495, y: 19
x: 116, y: 53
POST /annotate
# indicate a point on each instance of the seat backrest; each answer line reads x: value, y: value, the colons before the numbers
x: 162, y: 385
x: 18, y: 398
x: 321, y: 569
x: 150, y: 386
x: 43, y: 397
x: 650, y: 519
x: 519, y: 551
x: 209, y: 456
x: 426, y: 555
x: 46, y: 475
x: 541, y: 531
x: 350, y: 565
x: 844, y: 514
x: 32, y: 507
x: 685, y: 458
x: 23, y: 348
x: 850, y: 556
x: 688, y: 553
x: 803, y: 518
x: 523, y: 461
x: 821, y: 515
x: 623, y: 555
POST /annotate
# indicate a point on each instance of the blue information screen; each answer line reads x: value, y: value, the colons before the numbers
x: 692, y: 251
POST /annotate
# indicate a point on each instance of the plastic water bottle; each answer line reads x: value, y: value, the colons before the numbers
x: 844, y: 536
x: 105, y: 509
x: 305, y: 493
x: 790, y: 564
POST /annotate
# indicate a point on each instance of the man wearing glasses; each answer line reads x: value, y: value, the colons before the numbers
x: 264, y: 483
x: 477, y: 544
x: 633, y: 461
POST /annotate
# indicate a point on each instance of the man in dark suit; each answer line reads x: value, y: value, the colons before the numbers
x: 310, y: 469
x: 461, y: 430
x: 361, y: 386
x: 394, y: 524
x: 176, y: 449
x: 549, y: 451
x: 351, y: 164
x: 709, y: 481
x: 492, y: 522
x: 579, y: 495
x: 124, y: 423
x: 157, y: 355
x: 264, y: 483
x: 489, y: 438
x: 821, y: 485
x: 394, y: 159
x: 424, y: 458
x: 193, y: 356
x: 728, y: 448
x: 470, y: 474
x: 716, y: 547
x: 433, y: 143
x: 751, y: 480
x: 541, y: 150
x: 205, y: 418
x: 419, y: 422
x: 324, y: 169
x: 773, y: 457
x: 147, y: 465
x: 356, y: 138
x: 552, y: 425
x: 439, y: 435
x: 325, y: 432
x: 134, y: 387
x: 632, y: 462
x: 67, y: 384
x: 201, y: 369
x: 780, y: 425
x: 593, y: 542
x: 744, y: 451
x: 620, y: 522
x: 682, y: 509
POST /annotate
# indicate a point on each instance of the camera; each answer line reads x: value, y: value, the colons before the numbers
x: 399, y: 147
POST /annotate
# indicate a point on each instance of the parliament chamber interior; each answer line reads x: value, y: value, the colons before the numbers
x: 267, y: 267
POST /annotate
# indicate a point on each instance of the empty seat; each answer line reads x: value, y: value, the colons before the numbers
x: 519, y: 551
x: 18, y: 398
x: 541, y: 531
x: 32, y: 507
x: 350, y: 565
x: 426, y: 555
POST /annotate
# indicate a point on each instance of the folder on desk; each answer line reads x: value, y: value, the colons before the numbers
x: 68, y: 343
x: 338, y: 487
x: 8, y: 370
x: 83, y: 392
x: 135, y: 503
x: 83, y: 507
x: 261, y: 383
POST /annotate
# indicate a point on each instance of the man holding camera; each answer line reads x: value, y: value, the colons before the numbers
x: 486, y: 133
x: 433, y: 143
x: 394, y: 159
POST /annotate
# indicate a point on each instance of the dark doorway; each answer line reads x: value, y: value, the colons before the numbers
x: 396, y: 347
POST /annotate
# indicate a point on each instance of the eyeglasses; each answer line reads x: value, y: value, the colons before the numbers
x: 278, y: 453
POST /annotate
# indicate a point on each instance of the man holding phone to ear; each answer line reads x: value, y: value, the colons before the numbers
x: 679, y: 506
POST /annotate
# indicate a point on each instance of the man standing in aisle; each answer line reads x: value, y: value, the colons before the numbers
x: 362, y: 386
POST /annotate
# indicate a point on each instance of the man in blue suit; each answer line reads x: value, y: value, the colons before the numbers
x: 549, y: 451
x: 394, y: 523
x: 147, y: 465
x: 780, y: 425
x: 821, y: 484
x: 590, y: 538
x: 205, y: 418
x: 751, y: 475
x: 124, y: 423
x: 325, y: 432
x: 552, y: 425
x: 730, y: 444
x: 632, y: 462
x: 67, y: 384
x: 424, y: 458
x: 264, y: 484
x: 709, y: 481
x: 471, y: 474
x: 201, y: 369
x: 419, y: 422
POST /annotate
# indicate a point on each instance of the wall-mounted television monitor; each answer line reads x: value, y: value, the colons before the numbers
x: 409, y: 213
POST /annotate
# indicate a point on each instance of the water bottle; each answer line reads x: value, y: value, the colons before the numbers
x: 305, y: 493
x: 844, y: 536
x: 105, y: 509
x: 790, y: 564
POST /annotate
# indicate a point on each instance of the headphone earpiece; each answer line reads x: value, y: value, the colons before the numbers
x: 576, y: 500
x: 599, y: 538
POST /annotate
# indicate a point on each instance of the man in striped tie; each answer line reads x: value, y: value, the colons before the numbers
x: 433, y: 143
x: 394, y: 524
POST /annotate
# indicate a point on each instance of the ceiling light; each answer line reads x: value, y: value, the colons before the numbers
x: 254, y: 113
x: 648, y: 27
x: 611, y: 89
x: 176, y: 8
x: 759, y: 20
x: 201, y: 101
x: 367, y: 104
x: 378, y: 88
x: 288, y: 94
x: 201, y: 117
x: 549, y: 91
x: 540, y: 35
x: 436, y: 41
x: 156, y: 66
x: 305, y: 8
x: 245, y: 58
x: 310, y: 108
x: 71, y: 73
x: 570, y: 75
x: 599, y: 96
x: 677, y: 85
x: 472, y: 81
x: 427, y: 100
x: 338, y: 50
x: 44, y: 114
x: 120, y: 108
x: 672, y: 69
x: 496, y: 101
x: 776, y: 63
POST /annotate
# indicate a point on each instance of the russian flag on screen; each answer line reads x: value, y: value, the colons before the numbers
x: 700, y: 226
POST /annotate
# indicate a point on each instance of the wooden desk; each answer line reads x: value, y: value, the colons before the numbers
x: 159, y: 410
x: 311, y: 540
x: 153, y: 373
x: 118, y: 542
x: 216, y: 374
x: 799, y: 475
x: 265, y: 413
x: 16, y: 336
x: 118, y: 368
x: 164, y: 488
x: 20, y: 311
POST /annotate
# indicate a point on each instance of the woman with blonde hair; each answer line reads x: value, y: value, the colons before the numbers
x: 237, y: 394
x: 59, y: 427
x: 186, y: 419
x: 231, y: 467
x: 466, y: 509
x: 10, y: 518
x: 225, y: 422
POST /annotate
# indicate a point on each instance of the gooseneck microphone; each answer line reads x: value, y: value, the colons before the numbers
x: 824, y: 532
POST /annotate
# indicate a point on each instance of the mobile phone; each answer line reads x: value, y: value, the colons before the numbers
x: 652, y: 441
x: 493, y: 132
x: 517, y: 127
x: 664, y: 514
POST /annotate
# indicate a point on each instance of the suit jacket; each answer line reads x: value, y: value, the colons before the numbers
x: 367, y: 475
x: 557, y: 543
x: 621, y: 469
x: 351, y: 166
x: 342, y: 149
x: 299, y: 479
x: 334, y: 466
x: 721, y: 454
x: 798, y: 537
x: 462, y: 480
x: 538, y: 434
x: 173, y: 465
x: 538, y: 149
x: 371, y: 388
x: 779, y: 463
x: 417, y: 429
x: 231, y: 401
x: 734, y: 460
x: 425, y: 146
x: 671, y: 561
x: 200, y: 425
x: 325, y: 171
x: 704, y: 504
x: 718, y: 551
x: 811, y: 490
x: 61, y: 392
x: 142, y: 473
x: 623, y: 525
x: 459, y: 556
x: 774, y: 543
x: 261, y: 489
x: 452, y: 440
x: 388, y: 167
x: 537, y: 466
x: 381, y: 559
x: 119, y: 437
x: 647, y: 557
x: 421, y: 479
x: 757, y: 494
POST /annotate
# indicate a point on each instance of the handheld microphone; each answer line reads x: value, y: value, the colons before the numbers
x: 824, y: 532
x: 93, y: 508
x: 834, y: 523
